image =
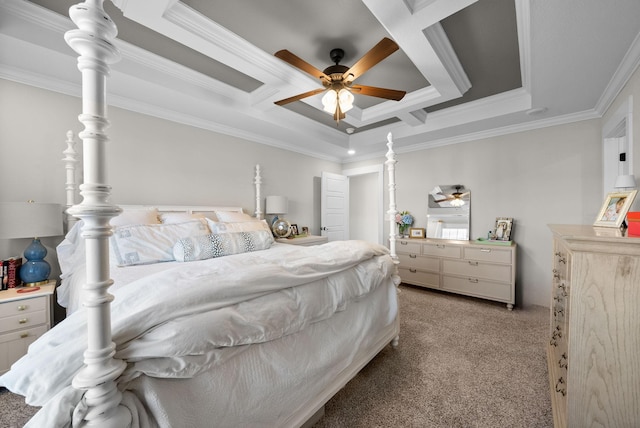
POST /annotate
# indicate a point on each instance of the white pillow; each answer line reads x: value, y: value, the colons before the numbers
x: 221, y: 244
x: 136, y: 216
x: 168, y: 218
x: 151, y: 243
x: 233, y: 217
x: 246, y: 226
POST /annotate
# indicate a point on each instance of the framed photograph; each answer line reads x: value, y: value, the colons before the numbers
x: 416, y: 232
x: 305, y: 230
x: 503, y: 228
x: 294, y: 229
x: 615, y: 208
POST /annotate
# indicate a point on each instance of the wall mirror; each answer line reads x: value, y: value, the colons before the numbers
x: 448, y: 212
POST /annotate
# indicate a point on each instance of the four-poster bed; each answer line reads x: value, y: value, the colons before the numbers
x: 243, y: 332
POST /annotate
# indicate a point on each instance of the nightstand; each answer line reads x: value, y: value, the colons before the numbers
x: 23, y: 318
x: 306, y: 241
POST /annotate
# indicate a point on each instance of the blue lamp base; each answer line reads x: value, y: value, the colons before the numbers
x: 35, y: 271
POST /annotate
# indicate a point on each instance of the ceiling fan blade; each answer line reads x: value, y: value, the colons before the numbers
x: 298, y: 62
x: 299, y: 96
x: 383, y: 49
x: 372, y: 91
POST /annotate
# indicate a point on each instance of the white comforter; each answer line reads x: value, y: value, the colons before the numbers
x: 157, y: 321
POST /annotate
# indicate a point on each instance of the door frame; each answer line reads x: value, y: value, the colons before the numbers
x: 373, y: 169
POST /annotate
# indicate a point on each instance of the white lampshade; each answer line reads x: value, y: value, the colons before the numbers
x: 277, y: 205
x: 625, y: 181
x: 30, y: 220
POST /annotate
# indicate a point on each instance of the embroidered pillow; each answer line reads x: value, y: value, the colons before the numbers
x: 153, y: 243
x: 220, y: 244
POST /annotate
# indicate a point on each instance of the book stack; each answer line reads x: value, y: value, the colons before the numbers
x: 10, y: 272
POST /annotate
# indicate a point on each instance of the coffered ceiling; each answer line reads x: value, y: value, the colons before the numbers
x: 471, y: 68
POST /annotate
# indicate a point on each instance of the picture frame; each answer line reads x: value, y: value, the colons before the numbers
x: 502, y: 231
x: 416, y: 232
x: 614, y: 209
x: 305, y: 230
x: 294, y: 229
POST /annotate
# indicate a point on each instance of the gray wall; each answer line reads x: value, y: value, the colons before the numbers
x: 549, y: 175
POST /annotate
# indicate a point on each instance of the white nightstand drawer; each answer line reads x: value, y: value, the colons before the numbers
x: 14, y: 345
x: 24, y: 320
x: 23, y: 306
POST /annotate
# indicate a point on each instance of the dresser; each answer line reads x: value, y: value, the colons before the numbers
x: 594, y: 335
x: 465, y: 267
x: 23, y: 318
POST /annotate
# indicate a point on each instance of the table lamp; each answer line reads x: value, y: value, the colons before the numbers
x: 278, y: 205
x: 31, y: 220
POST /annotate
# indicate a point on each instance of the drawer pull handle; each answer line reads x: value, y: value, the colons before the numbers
x: 473, y: 263
x: 485, y: 250
x: 562, y: 362
x: 412, y: 270
x: 23, y: 335
x: 441, y: 246
x: 22, y: 307
x: 412, y: 256
x: 474, y: 280
x: 403, y: 242
x: 23, y: 321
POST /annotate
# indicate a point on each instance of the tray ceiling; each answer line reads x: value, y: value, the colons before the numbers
x: 470, y: 68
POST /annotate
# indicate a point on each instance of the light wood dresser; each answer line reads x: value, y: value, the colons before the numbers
x: 464, y: 267
x: 594, y: 337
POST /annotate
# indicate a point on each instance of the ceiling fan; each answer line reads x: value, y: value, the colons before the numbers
x: 455, y: 198
x: 338, y: 79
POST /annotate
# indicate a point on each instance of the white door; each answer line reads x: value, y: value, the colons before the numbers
x: 334, y: 206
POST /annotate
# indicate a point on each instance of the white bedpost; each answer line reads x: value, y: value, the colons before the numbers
x: 93, y: 41
x: 258, y: 183
x: 70, y: 160
x: 391, y: 168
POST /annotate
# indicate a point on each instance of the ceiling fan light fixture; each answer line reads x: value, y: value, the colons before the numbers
x: 331, y: 99
x: 457, y: 202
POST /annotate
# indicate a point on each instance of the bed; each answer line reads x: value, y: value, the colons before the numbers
x: 194, y: 316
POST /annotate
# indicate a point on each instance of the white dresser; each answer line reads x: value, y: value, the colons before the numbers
x: 594, y: 336
x: 465, y: 267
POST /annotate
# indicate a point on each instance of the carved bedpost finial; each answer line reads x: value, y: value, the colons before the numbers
x: 258, y: 183
x: 70, y: 160
x: 391, y: 162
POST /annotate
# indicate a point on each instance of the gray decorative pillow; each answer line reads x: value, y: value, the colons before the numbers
x: 221, y: 244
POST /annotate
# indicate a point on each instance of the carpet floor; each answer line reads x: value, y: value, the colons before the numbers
x: 461, y: 363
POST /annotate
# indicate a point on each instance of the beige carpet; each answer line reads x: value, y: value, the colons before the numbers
x: 461, y: 362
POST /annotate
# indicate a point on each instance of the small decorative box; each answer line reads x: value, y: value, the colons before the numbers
x: 633, y: 223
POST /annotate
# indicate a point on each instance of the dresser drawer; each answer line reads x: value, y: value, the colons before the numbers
x: 486, y: 254
x: 22, y: 306
x: 442, y: 250
x: 478, y: 287
x: 418, y: 262
x: 408, y: 247
x: 477, y: 270
x: 417, y: 277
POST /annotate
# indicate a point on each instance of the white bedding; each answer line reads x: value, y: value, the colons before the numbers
x: 157, y: 321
